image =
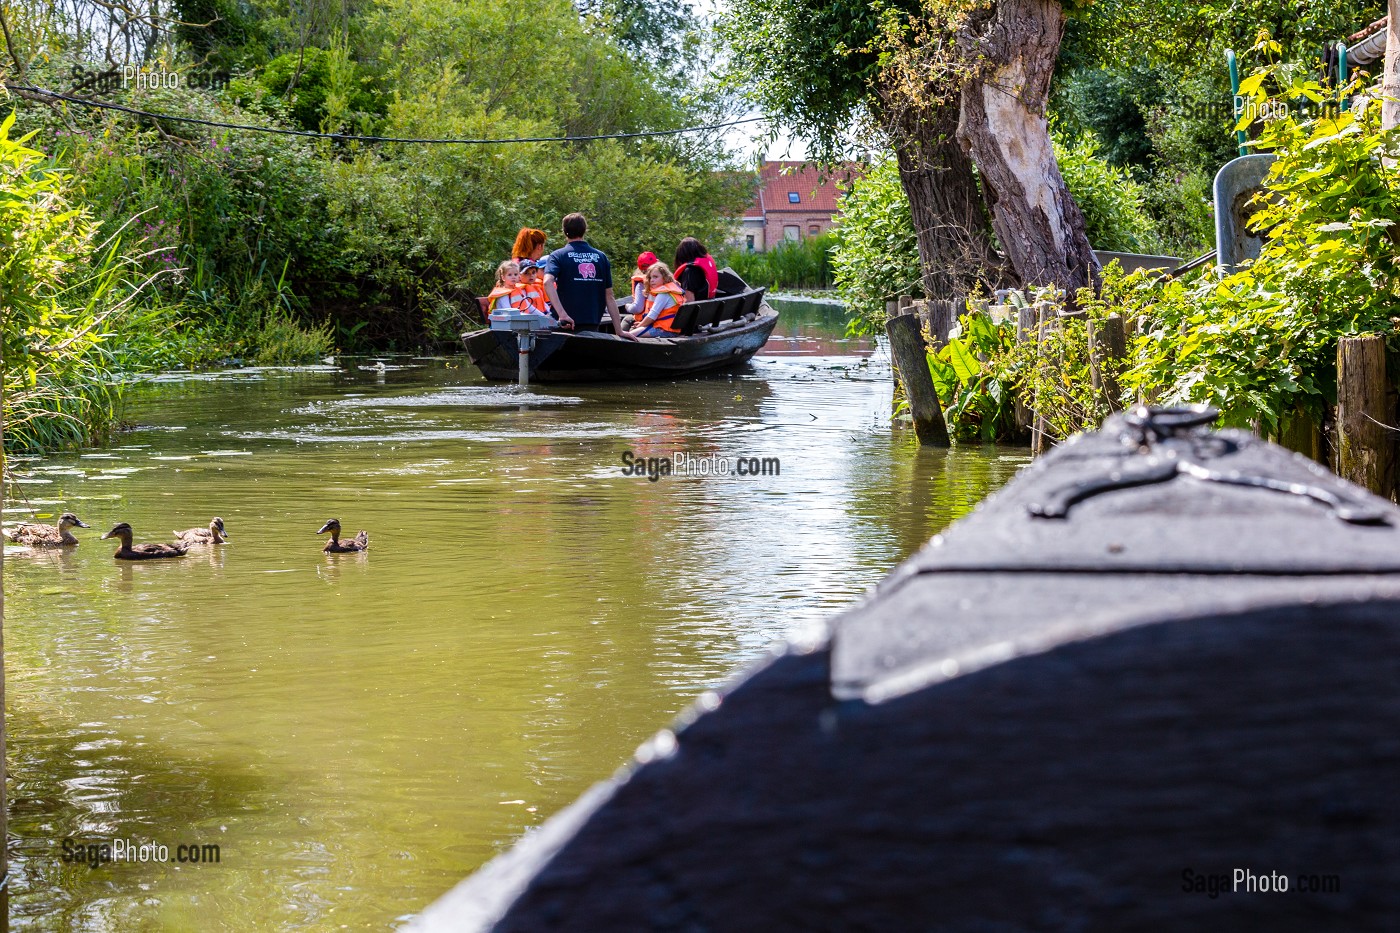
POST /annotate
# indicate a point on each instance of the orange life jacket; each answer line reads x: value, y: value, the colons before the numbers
x: 667, y: 319
x: 530, y: 296
x: 638, y: 300
x: 497, y: 293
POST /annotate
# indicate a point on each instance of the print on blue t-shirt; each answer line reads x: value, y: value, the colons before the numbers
x: 582, y: 275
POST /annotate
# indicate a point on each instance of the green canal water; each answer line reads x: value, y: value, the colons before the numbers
x: 356, y: 733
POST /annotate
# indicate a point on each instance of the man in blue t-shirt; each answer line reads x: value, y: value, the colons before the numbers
x: 578, y: 281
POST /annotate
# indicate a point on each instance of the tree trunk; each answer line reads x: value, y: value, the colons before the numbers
x: 955, y: 245
x: 1390, y: 86
x: 1012, y: 53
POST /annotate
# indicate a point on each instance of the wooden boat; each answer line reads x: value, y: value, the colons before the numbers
x: 1150, y: 685
x: 717, y: 334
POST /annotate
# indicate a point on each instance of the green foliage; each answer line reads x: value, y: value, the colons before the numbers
x: 1112, y: 202
x: 1112, y: 104
x: 1261, y: 343
x: 322, y: 90
x: 971, y: 380
x: 812, y: 63
x: 877, y: 254
x: 58, y: 290
x: 282, y: 340
x: 801, y: 264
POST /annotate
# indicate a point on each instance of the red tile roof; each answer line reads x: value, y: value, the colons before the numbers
x: 817, y: 195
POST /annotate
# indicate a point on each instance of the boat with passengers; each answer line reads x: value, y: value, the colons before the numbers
x: 716, y: 334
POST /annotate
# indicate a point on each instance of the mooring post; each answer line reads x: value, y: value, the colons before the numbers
x: 1108, y: 345
x: 911, y: 360
x: 1045, y: 321
x: 1364, y: 416
x: 4, y: 802
x: 1025, y: 330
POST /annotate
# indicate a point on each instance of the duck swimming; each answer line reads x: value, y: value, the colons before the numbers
x: 336, y: 546
x: 214, y: 534
x: 142, y: 551
x: 36, y: 535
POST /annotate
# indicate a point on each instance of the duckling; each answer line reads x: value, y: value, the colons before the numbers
x: 142, y: 551
x: 36, y: 535
x: 214, y: 534
x: 336, y: 546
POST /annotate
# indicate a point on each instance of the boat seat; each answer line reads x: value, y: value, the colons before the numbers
x: 706, y: 312
x: 751, y: 302
x: 730, y: 284
x: 685, y: 319
x: 730, y: 308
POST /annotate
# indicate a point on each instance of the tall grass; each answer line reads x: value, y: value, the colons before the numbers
x: 790, y: 264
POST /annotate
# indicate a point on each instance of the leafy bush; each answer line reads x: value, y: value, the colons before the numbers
x: 1112, y: 201
x: 282, y: 340
x: 877, y: 254
x: 59, y: 289
x: 1261, y: 343
x: 971, y: 379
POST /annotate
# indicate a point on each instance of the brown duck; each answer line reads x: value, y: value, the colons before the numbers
x: 36, y: 535
x: 142, y: 551
x: 214, y: 534
x: 336, y: 546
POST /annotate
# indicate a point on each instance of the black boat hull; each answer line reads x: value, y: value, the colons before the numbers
x: 561, y: 356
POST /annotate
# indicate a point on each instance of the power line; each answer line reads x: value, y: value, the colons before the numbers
x: 347, y: 137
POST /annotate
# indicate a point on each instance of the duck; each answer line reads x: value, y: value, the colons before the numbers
x: 36, y: 535
x: 142, y: 551
x: 336, y: 546
x: 214, y: 534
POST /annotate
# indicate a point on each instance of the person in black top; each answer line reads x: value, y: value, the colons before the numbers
x: 689, y: 274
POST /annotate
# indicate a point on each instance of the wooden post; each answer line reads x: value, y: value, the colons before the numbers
x: 942, y: 315
x: 905, y: 303
x: 1025, y: 330
x: 1108, y: 344
x: 911, y: 359
x: 1045, y: 320
x: 1300, y: 433
x: 1364, y: 416
x: 4, y: 803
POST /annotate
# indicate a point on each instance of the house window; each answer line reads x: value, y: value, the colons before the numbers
x: 748, y: 243
x: 814, y: 230
x: 794, y: 197
x: 792, y: 232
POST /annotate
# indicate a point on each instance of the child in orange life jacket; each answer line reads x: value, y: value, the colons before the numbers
x: 529, y: 294
x: 639, y: 284
x: 507, y: 280
x: 664, y: 299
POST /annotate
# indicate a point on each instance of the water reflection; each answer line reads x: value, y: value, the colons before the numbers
x: 358, y: 731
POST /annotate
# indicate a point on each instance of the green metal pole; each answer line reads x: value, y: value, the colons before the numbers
x: 1235, y: 98
x: 1342, y: 72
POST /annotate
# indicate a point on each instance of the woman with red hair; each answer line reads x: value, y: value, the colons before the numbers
x: 529, y: 244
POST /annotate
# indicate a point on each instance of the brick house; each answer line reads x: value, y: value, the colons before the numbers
x: 792, y: 203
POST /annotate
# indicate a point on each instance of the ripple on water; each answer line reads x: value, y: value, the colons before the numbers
x: 464, y: 396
